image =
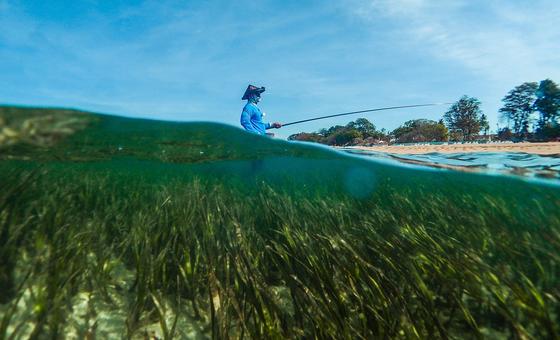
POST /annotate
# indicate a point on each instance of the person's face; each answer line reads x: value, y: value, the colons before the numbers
x: 257, y: 98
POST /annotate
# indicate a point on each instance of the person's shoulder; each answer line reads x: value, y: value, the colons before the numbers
x: 250, y: 107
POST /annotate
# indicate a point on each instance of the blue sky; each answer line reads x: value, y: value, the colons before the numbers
x: 192, y: 60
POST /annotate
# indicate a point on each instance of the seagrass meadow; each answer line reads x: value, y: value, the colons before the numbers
x: 125, y: 228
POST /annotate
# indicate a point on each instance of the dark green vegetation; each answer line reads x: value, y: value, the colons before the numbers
x: 357, y: 132
x: 421, y: 130
x: 128, y: 227
x: 464, y: 121
x: 548, y: 106
x: 363, y: 132
x: 520, y: 105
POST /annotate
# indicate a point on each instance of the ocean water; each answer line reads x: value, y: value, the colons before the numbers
x: 117, y: 227
x: 542, y: 168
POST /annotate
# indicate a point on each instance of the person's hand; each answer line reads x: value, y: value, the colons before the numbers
x: 276, y: 125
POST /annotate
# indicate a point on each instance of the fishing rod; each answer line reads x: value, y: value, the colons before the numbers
x: 370, y: 110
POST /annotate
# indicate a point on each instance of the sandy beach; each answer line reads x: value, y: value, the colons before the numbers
x: 550, y: 148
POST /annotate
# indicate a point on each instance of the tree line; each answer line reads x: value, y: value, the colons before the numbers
x: 531, y: 110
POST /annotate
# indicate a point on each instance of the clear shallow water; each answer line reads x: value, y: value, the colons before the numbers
x: 112, y: 226
x: 531, y: 166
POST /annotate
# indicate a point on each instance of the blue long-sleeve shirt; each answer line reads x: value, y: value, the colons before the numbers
x: 251, y: 119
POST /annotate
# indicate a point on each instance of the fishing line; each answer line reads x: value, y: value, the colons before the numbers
x: 362, y: 111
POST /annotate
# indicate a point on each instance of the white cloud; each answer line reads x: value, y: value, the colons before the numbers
x: 191, y: 60
x: 502, y: 40
x: 179, y: 64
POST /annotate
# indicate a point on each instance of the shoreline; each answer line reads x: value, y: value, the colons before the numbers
x: 545, y: 148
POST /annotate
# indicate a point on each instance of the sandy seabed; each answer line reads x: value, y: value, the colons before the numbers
x: 550, y: 148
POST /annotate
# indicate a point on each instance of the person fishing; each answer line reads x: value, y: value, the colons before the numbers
x: 251, y: 117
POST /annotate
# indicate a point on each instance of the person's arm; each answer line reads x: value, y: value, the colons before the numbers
x: 274, y: 125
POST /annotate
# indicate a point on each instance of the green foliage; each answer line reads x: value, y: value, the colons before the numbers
x: 484, y: 124
x: 356, y: 131
x: 307, y: 137
x: 548, y: 104
x: 363, y: 126
x: 550, y: 131
x: 343, y: 136
x: 464, y: 117
x: 505, y: 134
x: 420, y: 130
x: 519, y: 106
x: 464, y: 120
